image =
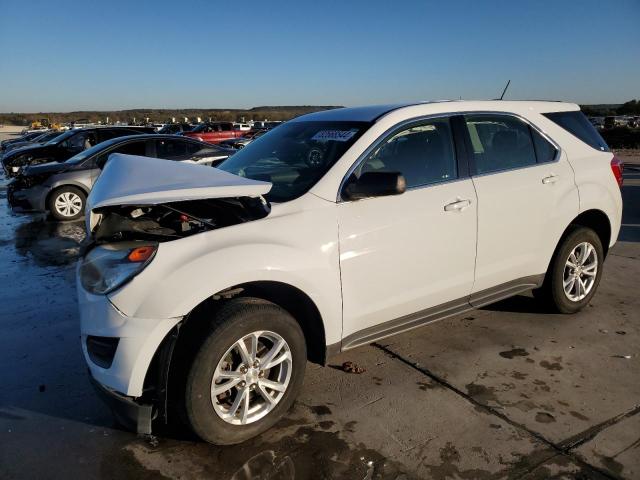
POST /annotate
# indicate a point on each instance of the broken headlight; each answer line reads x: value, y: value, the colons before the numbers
x: 107, y: 267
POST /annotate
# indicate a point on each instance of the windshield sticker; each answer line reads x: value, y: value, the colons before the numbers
x: 335, y: 135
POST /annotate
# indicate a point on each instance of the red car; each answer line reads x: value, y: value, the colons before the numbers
x: 214, y: 132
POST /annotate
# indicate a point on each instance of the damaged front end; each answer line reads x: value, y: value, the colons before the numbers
x: 172, y: 221
x: 140, y: 198
x: 137, y: 204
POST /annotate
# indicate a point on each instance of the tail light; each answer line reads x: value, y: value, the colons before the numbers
x: 617, y: 168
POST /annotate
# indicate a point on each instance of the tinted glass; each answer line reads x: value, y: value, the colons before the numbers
x: 171, y: 149
x: 545, y: 151
x: 62, y: 137
x: 423, y: 154
x: 81, y: 141
x: 194, y: 149
x: 109, y: 133
x: 499, y: 142
x: 129, y: 148
x: 579, y: 126
x: 295, y: 155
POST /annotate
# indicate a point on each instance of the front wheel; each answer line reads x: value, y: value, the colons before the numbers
x: 575, y: 271
x: 247, y: 373
x: 67, y: 203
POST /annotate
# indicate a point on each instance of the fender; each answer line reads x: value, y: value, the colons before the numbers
x: 243, y: 253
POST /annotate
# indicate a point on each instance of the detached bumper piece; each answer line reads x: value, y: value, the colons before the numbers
x: 129, y: 413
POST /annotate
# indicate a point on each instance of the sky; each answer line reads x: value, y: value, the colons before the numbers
x: 108, y: 55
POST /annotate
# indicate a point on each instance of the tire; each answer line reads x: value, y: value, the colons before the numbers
x: 67, y: 203
x: 241, y: 318
x: 552, y: 293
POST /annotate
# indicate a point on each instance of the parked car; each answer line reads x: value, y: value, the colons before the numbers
x: 38, y: 140
x: 209, y: 289
x: 27, y: 137
x: 62, y: 188
x: 214, y: 132
x: 241, y: 142
x: 175, y: 128
x: 64, y: 146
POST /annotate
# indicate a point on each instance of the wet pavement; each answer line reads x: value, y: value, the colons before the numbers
x: 503, y: 392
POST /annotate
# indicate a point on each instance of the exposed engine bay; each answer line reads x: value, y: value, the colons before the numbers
x: 171, y: 221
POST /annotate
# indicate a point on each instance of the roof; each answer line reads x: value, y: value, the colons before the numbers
x: 374, y: 112
x: 353, y: 114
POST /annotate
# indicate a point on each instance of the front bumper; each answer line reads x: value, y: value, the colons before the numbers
x: 139, y: 340
x: 127, y: 411
x: 31, y: 199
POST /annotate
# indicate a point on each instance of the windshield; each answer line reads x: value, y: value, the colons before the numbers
x: 294, y: 156
x: 47, y: 136
x: 61, y: 138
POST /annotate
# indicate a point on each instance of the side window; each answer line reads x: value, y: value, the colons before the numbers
x: 197, y: 149
x: 499, y: 142
x: 171, y: 149
x: 81, y: 141
x: 106, y: 134
x: 578, y: 125
x: 545, y: 152
x: 423, y: 154
x: 226, y: 127
x: 131, y: 148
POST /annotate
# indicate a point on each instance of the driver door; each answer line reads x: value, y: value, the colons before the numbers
x: 403, y: 257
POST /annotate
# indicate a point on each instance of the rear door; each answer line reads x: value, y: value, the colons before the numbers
x: 526, y: 198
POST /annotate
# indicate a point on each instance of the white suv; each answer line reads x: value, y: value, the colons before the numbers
x: 205, y: 291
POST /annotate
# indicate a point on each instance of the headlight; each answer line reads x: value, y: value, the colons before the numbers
x: 108, y: 267
x: 15, y: 169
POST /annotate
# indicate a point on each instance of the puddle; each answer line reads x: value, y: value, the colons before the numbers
x: 299, y: 452
x: 515, y: 352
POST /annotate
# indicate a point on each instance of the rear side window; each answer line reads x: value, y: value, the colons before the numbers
x: 545, y: 152
x: 499, y: 142
x: 579, y: 126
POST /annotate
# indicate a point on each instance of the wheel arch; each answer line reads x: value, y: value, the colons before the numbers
x: 301, y: 307
x: 594, y: 219
x: 166, y: 373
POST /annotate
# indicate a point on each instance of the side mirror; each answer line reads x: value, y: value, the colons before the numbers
x: 374, y: 184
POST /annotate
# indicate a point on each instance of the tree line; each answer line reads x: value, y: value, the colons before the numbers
x: 154, y: 115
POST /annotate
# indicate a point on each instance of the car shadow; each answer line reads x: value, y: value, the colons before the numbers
x: 517, y: 304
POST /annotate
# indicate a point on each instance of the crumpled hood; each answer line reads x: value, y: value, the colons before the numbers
x: 48, y: 168
x: 136, y: 180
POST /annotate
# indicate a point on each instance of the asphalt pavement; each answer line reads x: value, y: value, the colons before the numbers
x: 503, y: 392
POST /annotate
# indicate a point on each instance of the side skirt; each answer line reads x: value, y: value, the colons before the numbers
x: 433, y: 314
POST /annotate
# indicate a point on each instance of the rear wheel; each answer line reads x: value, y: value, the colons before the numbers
x: 246, y: 374
x: 575, y: 271
x: 67, y: 203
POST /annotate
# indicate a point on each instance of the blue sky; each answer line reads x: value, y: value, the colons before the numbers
x: 61, y: 56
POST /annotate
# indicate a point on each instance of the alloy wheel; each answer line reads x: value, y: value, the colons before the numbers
x: 580, y: 271
x: 251, y: 377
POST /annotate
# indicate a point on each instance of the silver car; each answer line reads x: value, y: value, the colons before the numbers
x: 61, y: 188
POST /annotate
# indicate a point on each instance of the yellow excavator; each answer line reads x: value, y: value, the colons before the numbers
x: 44, y: 123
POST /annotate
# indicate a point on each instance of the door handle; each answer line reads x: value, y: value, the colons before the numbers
x: 457, y: 206
x: 550, y: 179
